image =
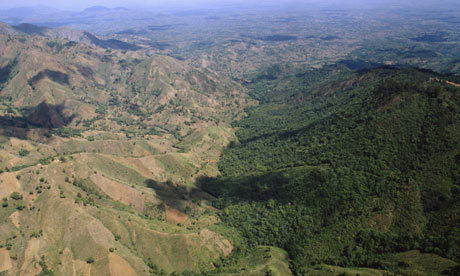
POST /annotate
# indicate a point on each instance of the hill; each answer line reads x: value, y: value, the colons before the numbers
x: 74, y: 36
x: 122, y: 162
x: 350, y: 172
x: 99, y: 150
x: 96, y: 9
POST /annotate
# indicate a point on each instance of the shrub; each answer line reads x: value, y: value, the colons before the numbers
x: 90, y: 260
x: 20, y: 206
x: 16, y: 196
x: 23, y: 152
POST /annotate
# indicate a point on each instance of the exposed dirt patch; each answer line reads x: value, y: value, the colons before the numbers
x: 87, y: 112
x: 210, y: 238
x: 119, y: 266
x: 68, y: 267
x: 205, y: 62
x: 9, y: 184
x: 174, y: 215
x: 30, y: 266
x: 100, y: 234
x: 15, y: 219
x: 81, y: 268
x: 120, y: 192
x: 147, y: 165
x: 225, y: 246
x: 5, y: 261
x: 17, y: 143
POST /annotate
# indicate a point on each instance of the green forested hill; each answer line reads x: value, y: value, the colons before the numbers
x: 348, y: 174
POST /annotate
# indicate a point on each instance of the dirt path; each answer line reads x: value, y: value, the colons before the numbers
x: 453, y: 83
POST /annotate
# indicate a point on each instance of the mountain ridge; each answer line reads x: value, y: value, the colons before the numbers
x: 71, y: 35
x: 102, y: 148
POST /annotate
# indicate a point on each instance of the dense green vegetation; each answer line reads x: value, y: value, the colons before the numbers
x: 346, y: 174
x: 45, y: 270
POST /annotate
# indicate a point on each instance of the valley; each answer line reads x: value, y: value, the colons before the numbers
x: 230, y: 141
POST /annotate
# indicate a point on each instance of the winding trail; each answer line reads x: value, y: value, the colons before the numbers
x: 453, y: 83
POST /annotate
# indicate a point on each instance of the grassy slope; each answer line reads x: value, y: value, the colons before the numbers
x: 67, y: 210
x: 105, y: 90
x: 107, y: 180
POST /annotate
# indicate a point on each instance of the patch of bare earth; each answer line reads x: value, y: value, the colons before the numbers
x: 119, y: 266
x: 9, y: 184
x: 31, y: 254
x: 87, y: 112
x: 100, y: 234
x: 225, y: 246
x: 15, y: 219
x: 174, y: 215
x: 208, y: 238
x: 81, y: 268
x: 147, y: 165
x: 5, y: 261
x: 120, y: 192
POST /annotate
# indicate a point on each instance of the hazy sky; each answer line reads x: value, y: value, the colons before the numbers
x: 82, y: 4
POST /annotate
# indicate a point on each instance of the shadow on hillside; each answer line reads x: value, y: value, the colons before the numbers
x: 302, y: 188
x: 173, y: 195
x: 293, y: 184
x: 247, y: 188
x: 167, y: 190
x: 42, y: 116
x: 304, y: 184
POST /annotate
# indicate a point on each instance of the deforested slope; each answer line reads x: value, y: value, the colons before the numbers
x: 99, y: 150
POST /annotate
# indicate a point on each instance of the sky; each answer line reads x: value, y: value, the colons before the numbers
x: 77, y: 5
x: 82, y: 4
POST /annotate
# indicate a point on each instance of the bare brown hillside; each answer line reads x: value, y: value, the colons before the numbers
x: 99, y: 152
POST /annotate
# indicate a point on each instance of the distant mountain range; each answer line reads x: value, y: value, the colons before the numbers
x: 104, y: 9
x: 52, y: 17
x: 69, y: 34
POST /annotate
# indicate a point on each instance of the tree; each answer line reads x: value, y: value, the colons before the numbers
x: 16, y: 196
x: 23, y: 152
x: 90, y: 260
